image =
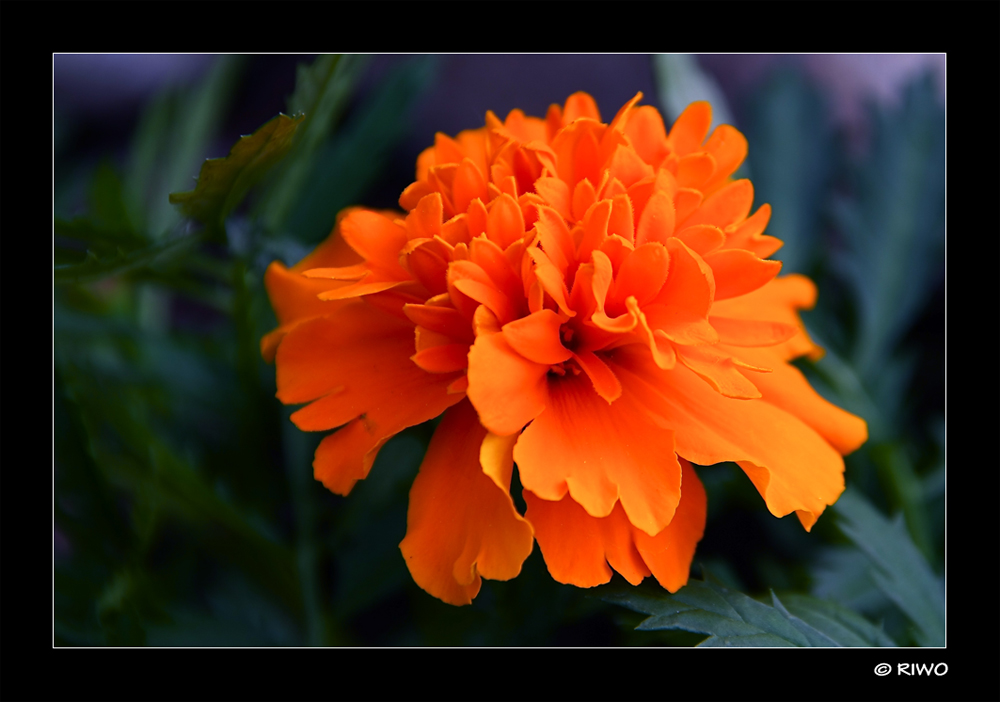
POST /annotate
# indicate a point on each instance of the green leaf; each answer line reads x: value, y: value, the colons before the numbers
x: 107, y: 202
x: 731, y: 618
x: 118, y: 261
x: 174, y: 136
x: 322, y: 91
x: 893, y: 229
x: 791, y: 151
x: 224, y: 182
x: 350, y: 163
x: 839, y: 623
x: 91, y: 234
x: 898, y: 568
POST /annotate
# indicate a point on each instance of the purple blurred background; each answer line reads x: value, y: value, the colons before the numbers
x: 102, y: 94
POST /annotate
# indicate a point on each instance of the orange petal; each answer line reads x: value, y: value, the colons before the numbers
x: 628, y: 167
x: 414, y: 192
x: 788, y: 389
x: 344, y: 348
x: 792, y: 466
x: 691, y: 128
x: 494, y: 261
x: 507, y: 389
x: 578, y: 548
x: 443, y: 359
x: 621, y: 220
x: 728, y: 206
x: 682, y: 305
x: 656, y: 339
x: 746, y: 332
x: 348, y: 375
x: 605, y: 383
x: 642, y: 274
x: 718, y: 370
x: 586, y: 158
x: 738, y: 272
x: 657, y: 220
x: 580, y: 104
x: 694, y: 170
x: 729, y: 148
x: 648, y: 136
x: 536, y: 337
x: 424, y: 221
x: 669, y: 553
x: 556, y: 194
x: 595, y: 227
x: 584, y: 196
x: 702, y: 238
x: 505, y: 223
x: 600, y: 454
x: 294, y: 299
x: 473, y: 282
x: 368, y: 285
x: 749, y: 234
x: 469, y: 185
x: 686, y: 202
x: 376, y: 238
x: 346, y: 456
x: 778, y: 301
x: 552, y: 280
x: 443, y: 320
x: 460, y: 526
x: 555, y: 238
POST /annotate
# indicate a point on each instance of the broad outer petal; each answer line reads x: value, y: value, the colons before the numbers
x: 792, y: 466
x: 788, y: 389
x: 578, y: 548
x: 600, y: 453
x: 355, y: 364
x: 461, y: 526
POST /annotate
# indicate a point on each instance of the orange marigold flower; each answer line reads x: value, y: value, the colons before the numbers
x: 591, y: 302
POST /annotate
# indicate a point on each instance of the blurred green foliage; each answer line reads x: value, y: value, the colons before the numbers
x: 185, y: 508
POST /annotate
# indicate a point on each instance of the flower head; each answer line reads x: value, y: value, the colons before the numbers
x: 591, y: 302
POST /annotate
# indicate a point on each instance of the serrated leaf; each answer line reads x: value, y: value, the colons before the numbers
x: 322, y: 91
x: 839, y: 623
x: 224, y: 182
x: 94, y: 267
x: 731, y: 618
x: 349, y: 163
x: 174, y: 135
x: 898, y: 568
